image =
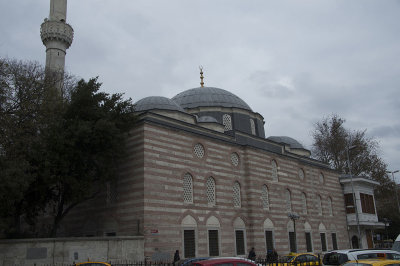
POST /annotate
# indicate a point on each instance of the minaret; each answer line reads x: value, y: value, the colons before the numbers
x: 57, y: 36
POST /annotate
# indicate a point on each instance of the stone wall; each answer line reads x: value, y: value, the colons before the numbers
x: 52, y: 251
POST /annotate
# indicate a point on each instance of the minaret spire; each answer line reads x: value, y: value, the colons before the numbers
x: 201, y: 76
x: 57, y: 36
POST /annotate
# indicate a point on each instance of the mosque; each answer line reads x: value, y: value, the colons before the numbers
x: 201, y: 177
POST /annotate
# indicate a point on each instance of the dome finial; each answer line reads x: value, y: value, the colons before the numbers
x: 201, y: 76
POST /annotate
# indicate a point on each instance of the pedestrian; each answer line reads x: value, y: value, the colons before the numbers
x: 252, y: 254
x: 176, y: 256
x: 274, y: 256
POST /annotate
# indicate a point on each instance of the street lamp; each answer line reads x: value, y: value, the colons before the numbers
x: 353, y: 194
x: 395, y: 186
x: 294, y: 216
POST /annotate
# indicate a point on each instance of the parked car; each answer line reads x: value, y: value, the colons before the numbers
x: 338, y: 257
x: 396, y: 244
x: 91, y: 263
x: 297, y: 258
x: 372, y: 262
x: 189, y: 261
x: 225, y: 262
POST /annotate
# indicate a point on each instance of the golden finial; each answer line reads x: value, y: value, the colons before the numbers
x: 201, y: 76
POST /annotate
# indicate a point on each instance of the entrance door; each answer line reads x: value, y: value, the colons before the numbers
x: 369, y: 239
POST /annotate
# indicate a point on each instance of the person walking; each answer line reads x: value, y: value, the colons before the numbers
x: 176, y: 256
x: 252, y: 254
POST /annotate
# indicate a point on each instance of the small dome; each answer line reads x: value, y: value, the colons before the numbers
x: 207, y: 119
x: 294, y: 144
x: 157, y: 102
x: 209, y: 96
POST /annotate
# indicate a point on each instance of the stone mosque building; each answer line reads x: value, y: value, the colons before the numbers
x: 201, y: 177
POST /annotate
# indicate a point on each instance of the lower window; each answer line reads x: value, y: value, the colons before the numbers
x: 189, y: 242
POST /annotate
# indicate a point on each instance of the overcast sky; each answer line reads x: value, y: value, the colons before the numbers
x: 294, y: 62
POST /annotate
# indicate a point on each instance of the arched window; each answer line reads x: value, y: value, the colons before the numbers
x: 304, y: 202
x: 288, y: 201
x: 187, y: 188
x: 330, y: 206
x: 237, y: 202
x: 235, y: 159
x: 227, y: 122
x: 321, y: 178
x: 274, y: 166
x: 210, y: 191
x: 319, y: 204
x: 252, y: 126
x: 265, y: 197
x: 198, y: 150
x: 301, y: 174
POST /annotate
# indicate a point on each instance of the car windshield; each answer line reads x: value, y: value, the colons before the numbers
x: 335, y: 258
x: 356, y: 264
x: 286, y: 258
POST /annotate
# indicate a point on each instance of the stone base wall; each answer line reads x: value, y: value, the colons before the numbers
x: 69, y: 250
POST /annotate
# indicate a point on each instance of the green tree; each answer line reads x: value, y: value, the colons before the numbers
x: 331, y: 140
x: 84, y: 146
x: 56, y: 149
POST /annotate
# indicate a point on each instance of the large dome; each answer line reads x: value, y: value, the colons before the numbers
x: 209, y: 96
x: 157, y: 102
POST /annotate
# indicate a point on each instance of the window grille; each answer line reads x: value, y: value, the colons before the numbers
x: 323, y: 241
x: 304, y: 202
x: 308, y: 242
x: 292, y: 242
x: 235, y: 159
x: 252, y: 126
x: 236, y: 195
x: 321, y: 178
x: 288, y: 201
x: 189, y: 242
x: 210, y: 191
x: 330, y: 206
x: 227, y: 122
x: 274, y: 170
x: 334, y: 241
x: 301, y: 174
x: 319, y: 204
x: 198, y: 150
x: 269, y: 240
x: 265, y: 199
x: 240, y: 249
x: 188, y: 188
x: 213, y: 246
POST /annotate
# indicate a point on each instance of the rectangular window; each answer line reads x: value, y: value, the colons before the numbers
x: 348, y: 200
x: 189, y: 243
x: 334, y: 241
x: 269, y: 241
x: 323, y: 242
x: 308, y: 242
x: 213, y: 246
x: 292, y: 242
x: 240, y: 249
x: 367, y: 203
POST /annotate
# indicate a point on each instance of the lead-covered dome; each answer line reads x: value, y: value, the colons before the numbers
x: 209, y: 96
x: 294, y: 144
x: 157, y: 102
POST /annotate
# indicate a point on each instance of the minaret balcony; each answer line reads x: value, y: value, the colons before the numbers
x: 52, y: 30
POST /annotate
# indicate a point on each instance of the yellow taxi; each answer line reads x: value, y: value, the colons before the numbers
x: 372, y: 262
x: 299, y: 258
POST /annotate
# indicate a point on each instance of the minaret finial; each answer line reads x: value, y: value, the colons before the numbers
x: 201, y: 76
